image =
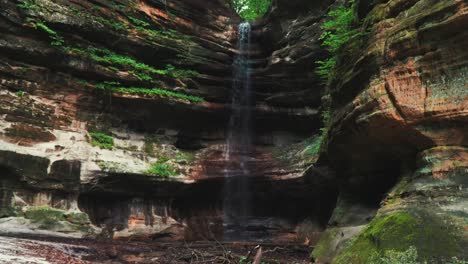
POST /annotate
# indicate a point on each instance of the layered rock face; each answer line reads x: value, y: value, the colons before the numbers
x: 104, y: 102
x: 116, y: 111
x: 398, y: 138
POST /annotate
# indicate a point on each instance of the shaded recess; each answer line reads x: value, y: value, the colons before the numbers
x: 280, y: 207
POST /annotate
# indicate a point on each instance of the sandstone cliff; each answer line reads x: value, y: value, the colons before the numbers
x: 113, y: 116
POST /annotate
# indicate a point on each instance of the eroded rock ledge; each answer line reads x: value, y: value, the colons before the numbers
x: 398, y: 135
x: 394, y: 170
x: 79, y: 132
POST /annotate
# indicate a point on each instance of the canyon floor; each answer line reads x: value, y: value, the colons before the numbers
x: 28, y: 250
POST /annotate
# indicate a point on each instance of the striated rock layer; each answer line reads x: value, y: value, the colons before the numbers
x: 398, y: 136
x: 116, y: 111
x: 89, y: 146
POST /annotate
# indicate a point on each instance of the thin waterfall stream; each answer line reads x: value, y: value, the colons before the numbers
x: 238, y: 150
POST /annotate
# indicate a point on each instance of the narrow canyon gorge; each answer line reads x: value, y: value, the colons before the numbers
x: 155, y: 131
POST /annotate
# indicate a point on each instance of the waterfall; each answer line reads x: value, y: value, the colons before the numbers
x: 238, y: 143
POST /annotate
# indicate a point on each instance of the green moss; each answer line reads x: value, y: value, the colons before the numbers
x: 409, y: 256
x: 102, y: 140
x: 112, y: 23
x: 8, y: 211
x: 112, y: 166
x: 324, y: 246
x: 78, y: 218
x: 47, y: 217
x: 162, y: 169
x: 115, y: 87
x: 54, y: 219
x: 313, y: 148
x: 183, y: 157
x: 398, y: 231
x: 360, y: 251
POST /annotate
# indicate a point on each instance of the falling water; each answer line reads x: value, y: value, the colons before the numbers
x: 238, y: 145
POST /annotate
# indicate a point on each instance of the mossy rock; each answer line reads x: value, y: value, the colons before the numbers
x: 325, y: 244
x: 333, y: 240
x: 46, y: 217
x: 433, y: 239
x: 58, y: 220
x: 8, y: 211
x: 78, y: 218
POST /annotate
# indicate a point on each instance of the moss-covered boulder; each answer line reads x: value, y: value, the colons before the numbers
x: 434, y: 238
x: 51, y: 219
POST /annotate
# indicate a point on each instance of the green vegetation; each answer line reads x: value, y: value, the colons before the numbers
x: 7, y: 211
x: 27, y: 5
x: 102, y: 140
x: 166, y: 34
x: 78, y: 218
x: 163, y: 169
x: 138, y: 22
x: 314, y: 148
x: 325, y: 244
x: 56, y: 39
x: 112, y: 23
x: 54, y: 219
x: 116, y: 87
x: 47, y: 217
x: 455, y: 260
x: 398, y: 231
x: 319, y: 141
x: 251, y: 9
x: 141, y: 70
x: 20, y: 93
x: 82, y: 82
x: 410, y: 256
x: 339, y: 30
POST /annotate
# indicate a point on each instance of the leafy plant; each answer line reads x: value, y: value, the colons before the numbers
x: 242, y: 260
x: 325, y: 68
x: 139, y: 69
x: 138, y: 22
x: 56, y: 39
x: 27, y: 5
x: 339, y: 30
x: 102, y: 140
x: 113, y: 23
x: 162, y: 169
x: 251, y: 9
x: 116, y: 87
x: 20, y: 93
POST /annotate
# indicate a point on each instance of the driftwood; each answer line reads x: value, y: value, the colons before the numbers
x: 258, y: 256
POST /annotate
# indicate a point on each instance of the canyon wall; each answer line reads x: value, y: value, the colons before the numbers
x: 115, y: 112
x: 99, y: 99
x: 398, y: 134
